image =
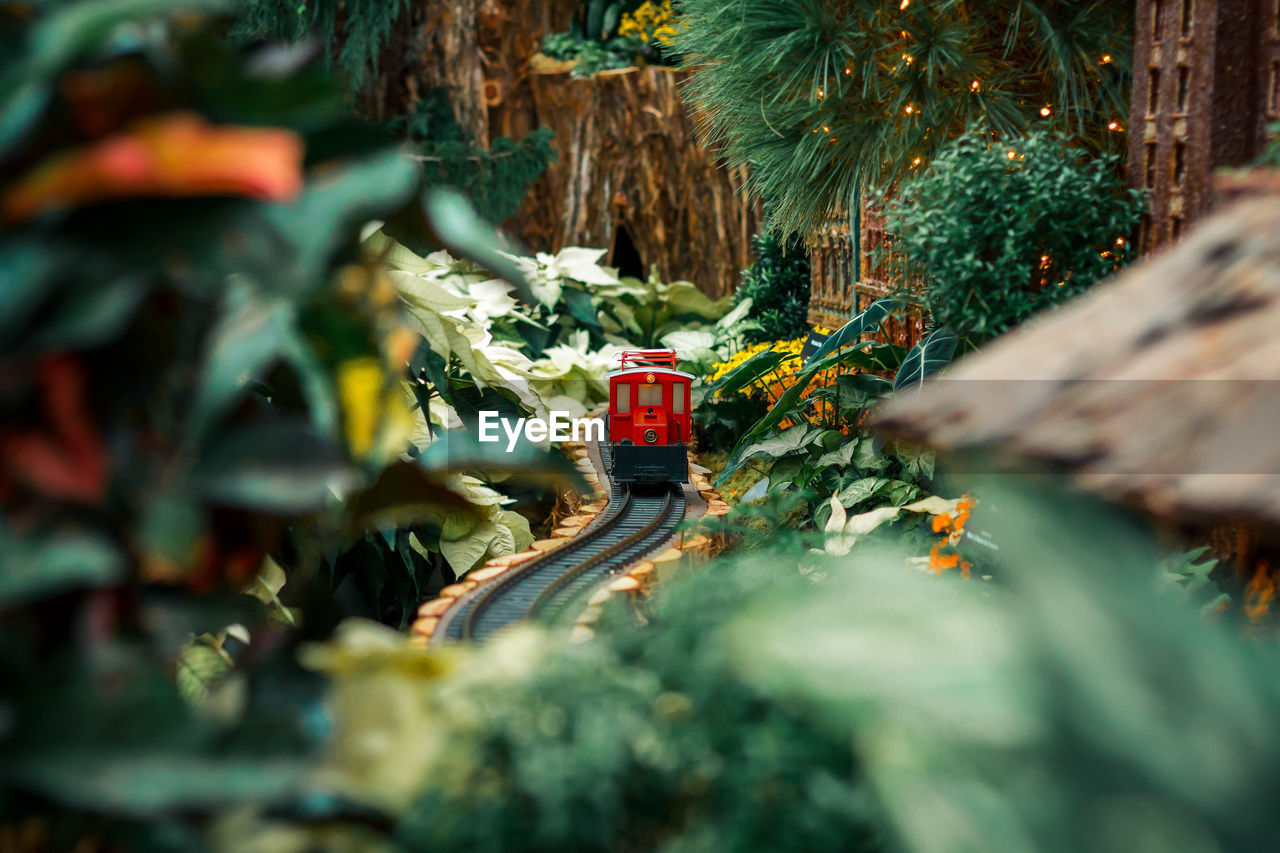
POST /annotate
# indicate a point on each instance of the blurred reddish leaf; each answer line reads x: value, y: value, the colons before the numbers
x: 65, y: 458
x: 174, y: 155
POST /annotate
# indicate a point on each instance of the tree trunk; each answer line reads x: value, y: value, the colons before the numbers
x: 628, y: 159
x: 434, y: 44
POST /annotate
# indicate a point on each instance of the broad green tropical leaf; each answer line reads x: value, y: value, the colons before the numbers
x: 926, y: 358
x: 760, y: 364
x: 850, y: 334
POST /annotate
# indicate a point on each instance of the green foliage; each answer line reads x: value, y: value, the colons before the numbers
x: 778, y: 286
x: 592, y: 55
x: 792, y: 700
x: 926, y: 358
x: 822, y: 100
x: 997, y: 238
x: 843, y: 348
x: 597, y: 20
x: 825, y: 456
x: 647, y: 313
x: 645, y: 740
x: 823, y: 453
x: 356, y: 31
x: 721, y: 421
x: 204, y: 397
x: 1065, y: 695
x: 496, y: 179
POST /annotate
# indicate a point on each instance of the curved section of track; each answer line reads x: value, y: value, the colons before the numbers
x: 638, y: 520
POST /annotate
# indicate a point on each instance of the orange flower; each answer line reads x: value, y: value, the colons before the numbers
x: 941, y: 522
x: 1260, y: 592
x: 173, y: 155
x: 940, y: 562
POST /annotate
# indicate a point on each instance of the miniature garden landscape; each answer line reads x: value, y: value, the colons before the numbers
x: 964, y: 538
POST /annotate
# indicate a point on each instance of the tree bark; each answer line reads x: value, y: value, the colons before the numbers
x: 628, y: 159
x: 434, y: 44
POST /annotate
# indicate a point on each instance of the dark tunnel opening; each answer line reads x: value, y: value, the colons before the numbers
x: 625, y: 255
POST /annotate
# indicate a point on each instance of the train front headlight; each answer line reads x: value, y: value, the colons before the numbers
x: 650, y: 436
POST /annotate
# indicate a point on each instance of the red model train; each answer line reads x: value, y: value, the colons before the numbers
x: 648, y: 419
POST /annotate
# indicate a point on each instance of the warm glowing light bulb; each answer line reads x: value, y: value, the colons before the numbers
x: 910, y: 108
x: 1106, y: 59
x: 826, y: 129
x: 821, y: 94
x: 1011, y: 154
x: 974, y: 87
x: 1044, y: 111
x: 1115, y: 125
x: 1119, y: 241
x: 905, y: 4
x: 915, y: 162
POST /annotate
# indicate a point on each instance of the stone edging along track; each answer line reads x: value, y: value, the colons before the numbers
x: 635, y: 580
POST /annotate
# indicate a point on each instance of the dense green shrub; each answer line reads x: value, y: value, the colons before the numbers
x: 647, y: 740
x: 778, y: 286
x: 1001, y: 231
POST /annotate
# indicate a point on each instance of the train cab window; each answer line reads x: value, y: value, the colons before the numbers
x: 624, y: 398
x: 649, y: 395
x: 678, y: 390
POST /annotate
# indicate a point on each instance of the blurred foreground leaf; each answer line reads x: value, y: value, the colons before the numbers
x: 151, y: 783
x: 279, y: 468
x: 38, y: 567
x: 1072, y: 711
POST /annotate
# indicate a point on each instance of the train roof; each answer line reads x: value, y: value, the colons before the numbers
x: 661, y: 371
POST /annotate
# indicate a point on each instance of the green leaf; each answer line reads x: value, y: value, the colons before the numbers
x: 283, y: 468
x: 404, y: 493
x: 465, y: 233
x: 785, y: 443
x: 760, y: 364
x: 859, y: 490
x: 26, y: 271
x: 581, y: 308
x: 88, y: 315
x: 850, y: 334
x: 868, y: 456
x: 926, y: 358
x: 918, y: 462
x: 20, y: 110
x: 115, y: 781
x: 199, y: 668
x: 317, y: 223
x: 46, y: 564
x: 840, y: 457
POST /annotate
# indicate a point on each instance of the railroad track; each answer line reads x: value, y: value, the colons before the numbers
x: 554, y: 587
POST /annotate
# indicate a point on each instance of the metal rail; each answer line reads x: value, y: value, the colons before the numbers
x: 550, y: 587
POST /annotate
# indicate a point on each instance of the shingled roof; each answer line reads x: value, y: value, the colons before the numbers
x: 1158, y: 387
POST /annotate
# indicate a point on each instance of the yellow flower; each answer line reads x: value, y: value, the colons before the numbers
x: 375, y: 416
x: 650, y: 22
